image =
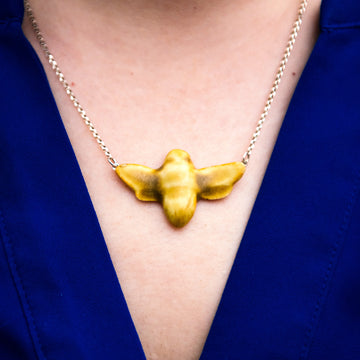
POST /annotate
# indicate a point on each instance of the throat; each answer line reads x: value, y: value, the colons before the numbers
x: 196, y: 22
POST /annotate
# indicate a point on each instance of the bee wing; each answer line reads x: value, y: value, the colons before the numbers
x: 216, y: 182
x: 141, y: 179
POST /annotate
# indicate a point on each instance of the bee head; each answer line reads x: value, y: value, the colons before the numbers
x: 177, y: 155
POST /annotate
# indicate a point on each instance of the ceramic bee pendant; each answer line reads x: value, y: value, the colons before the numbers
x: 177, y: 185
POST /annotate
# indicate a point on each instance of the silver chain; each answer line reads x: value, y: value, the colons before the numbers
x: 293, y: 35
x: 66, y: 85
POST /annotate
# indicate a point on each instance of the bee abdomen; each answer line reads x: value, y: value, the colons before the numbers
x: 179, y: 205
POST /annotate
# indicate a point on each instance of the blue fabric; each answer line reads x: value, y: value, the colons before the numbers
x: 294, y: 290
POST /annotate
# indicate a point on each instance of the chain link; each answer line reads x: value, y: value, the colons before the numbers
x: 293, y: 35
x: 66, y: 85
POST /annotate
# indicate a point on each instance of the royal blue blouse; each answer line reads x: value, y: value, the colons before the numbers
x: 294, y: 289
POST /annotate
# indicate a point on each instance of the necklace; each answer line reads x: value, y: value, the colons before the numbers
x: 177, y: 184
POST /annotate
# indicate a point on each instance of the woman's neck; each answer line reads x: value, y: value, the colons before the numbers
x: 140, y: 27
x: 162, y: 18
x: 178, y: 11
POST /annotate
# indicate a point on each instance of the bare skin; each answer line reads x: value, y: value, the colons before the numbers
x: 156, y: 75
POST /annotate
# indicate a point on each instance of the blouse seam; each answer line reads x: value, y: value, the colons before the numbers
x: 330, y: 271
x: 23, y: 296
x: 11, y: 20
x: 344, y: 26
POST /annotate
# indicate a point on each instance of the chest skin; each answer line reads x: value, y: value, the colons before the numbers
x: 173, y: 279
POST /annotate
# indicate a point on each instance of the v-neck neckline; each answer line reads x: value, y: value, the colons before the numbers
x: 254, y: 240
x: 259, y: 209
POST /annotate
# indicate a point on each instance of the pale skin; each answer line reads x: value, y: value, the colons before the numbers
x: 156, y: 75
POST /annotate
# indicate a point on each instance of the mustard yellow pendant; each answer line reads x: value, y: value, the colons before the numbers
x: 177, y: 185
